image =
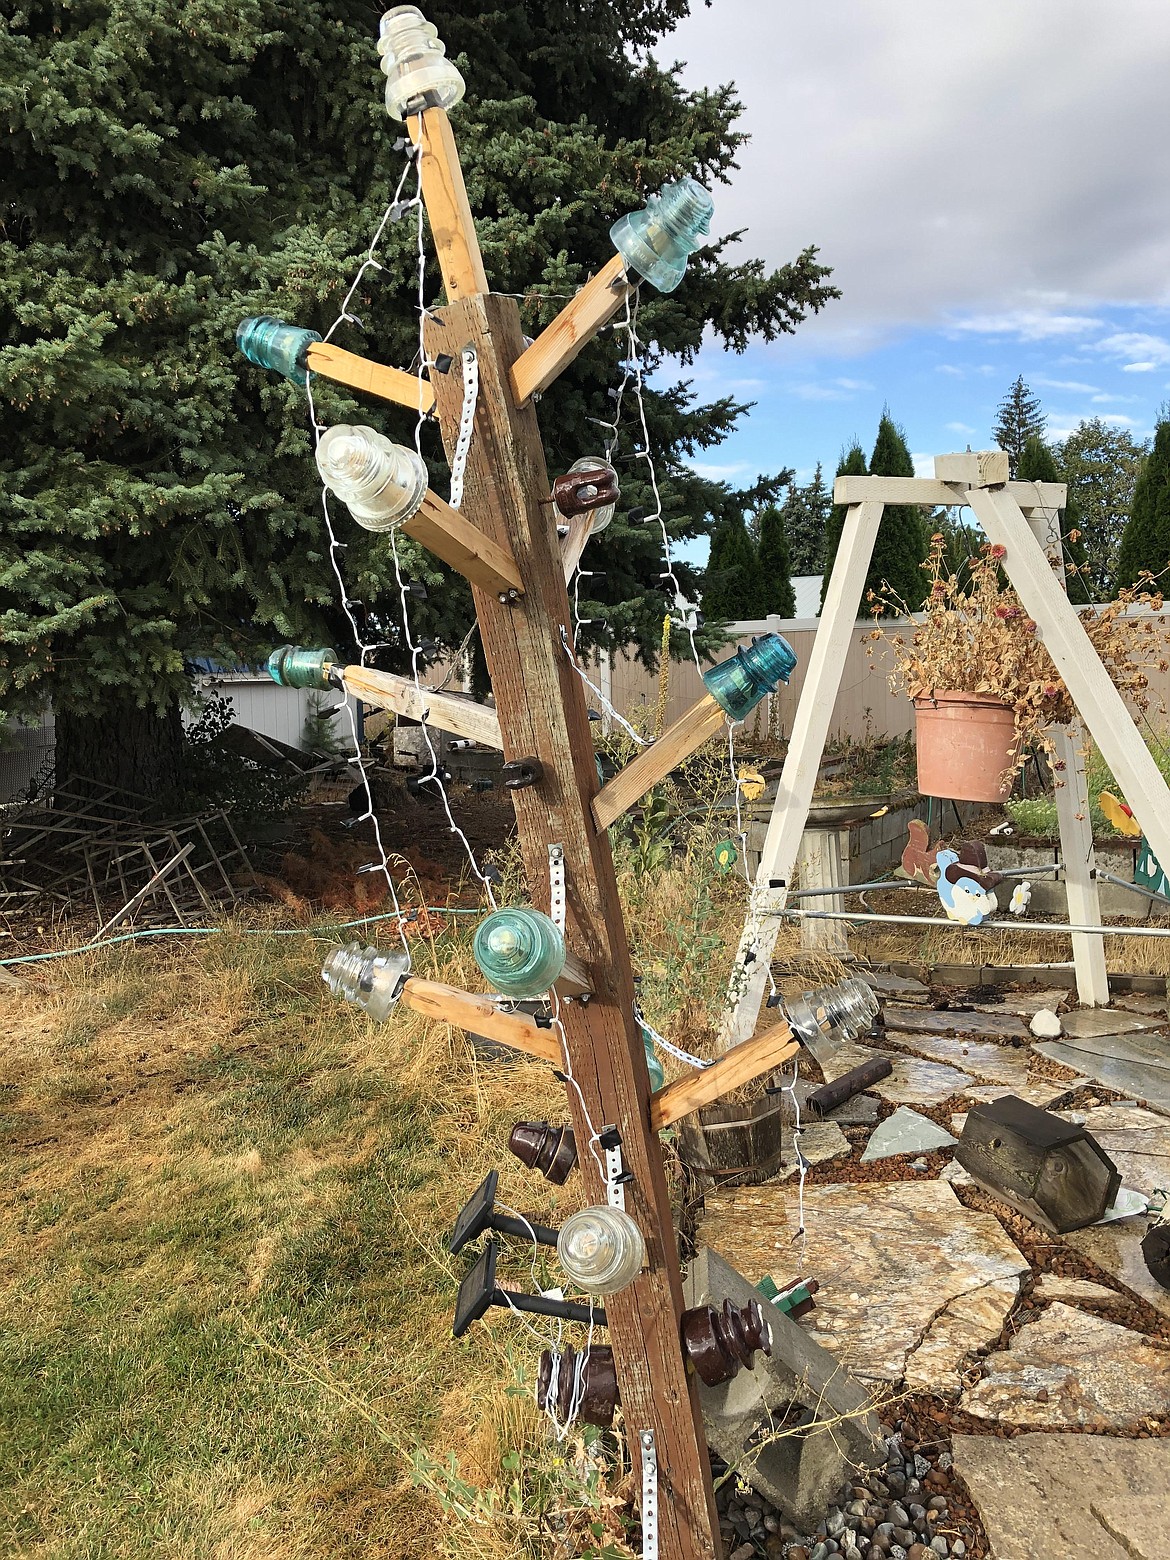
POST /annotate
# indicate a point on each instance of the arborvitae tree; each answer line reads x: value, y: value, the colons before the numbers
x: 851, y: 464
x: 166, y: 180
x: 731, y: 583
x: 774, y: 565
x: 1145, y: 542
x: 806, y: 518
x: 900, y: 549
x: 1101, y: 465
x: 1038, y: 464
x: 1020, y: 416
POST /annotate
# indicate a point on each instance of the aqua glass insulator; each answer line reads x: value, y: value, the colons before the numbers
x: 367, y: 976
x: 381, y: 483
x: 292, y: 666
x: 414, y: 58
x: 521, y: 952
x: 653, y: 1065
x: 656, y: 241
x: 601, y: 1250
x: 738, y: 685
x: 270, y: 343
x: 602, y: 516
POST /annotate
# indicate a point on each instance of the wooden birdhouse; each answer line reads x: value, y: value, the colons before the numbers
x: 1050, y: 1170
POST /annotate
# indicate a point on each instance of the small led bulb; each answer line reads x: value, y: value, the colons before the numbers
x: 382, y: 484
x: 414, y: 58
x: 601, y: 1250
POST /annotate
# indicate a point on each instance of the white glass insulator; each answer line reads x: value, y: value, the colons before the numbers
x: 414, y: 58
x: 382, y: 484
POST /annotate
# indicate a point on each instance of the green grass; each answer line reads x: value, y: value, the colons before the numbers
x: 224, y: 1302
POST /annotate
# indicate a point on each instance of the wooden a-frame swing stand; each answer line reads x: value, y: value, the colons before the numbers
x: 1024, y: 519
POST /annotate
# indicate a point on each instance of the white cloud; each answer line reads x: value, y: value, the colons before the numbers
x: 1027, y: 324
x: 943, y: 156
x: 829, y: 390
x: 923, y: 465
x: 1138, y: 368
x: 960, y: 427
x: 714, y: 471
x: 950, y: 368
x: 1152, y: 350
x: 1074, y: 386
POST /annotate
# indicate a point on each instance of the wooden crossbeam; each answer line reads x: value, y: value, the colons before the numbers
x: 388, y: 384
x: 688, y: 733
x: 572, y: 330
x: 448, y: 209
x: 445, y: 532
x: 930, y: 491
x: 747, y: 1061
x: 573, y: 545
x: 461, y: 717
x: 480, y: 1015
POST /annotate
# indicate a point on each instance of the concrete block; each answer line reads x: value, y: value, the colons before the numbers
x: 797, y: 1424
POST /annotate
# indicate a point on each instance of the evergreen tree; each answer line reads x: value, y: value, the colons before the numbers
x: 1101, y: 465
x: 851, y: 464
x: 167, y: 179
x: 1145, y: 542
x: 900, y: 549
x: 806, y: 519
x: 1019, y: 418
x: 774, y: 566
x: 1038, y: 464
x: 731, y: 583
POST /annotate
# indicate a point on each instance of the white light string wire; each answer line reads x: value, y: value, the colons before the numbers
x: 801, y: 1161
x: 596, y: 691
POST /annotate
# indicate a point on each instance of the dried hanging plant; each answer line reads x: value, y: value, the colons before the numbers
x: 976, y: 637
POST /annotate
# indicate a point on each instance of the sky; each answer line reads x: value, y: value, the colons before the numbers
x: 989, y: 182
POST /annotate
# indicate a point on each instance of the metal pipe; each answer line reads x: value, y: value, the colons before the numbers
x: 1137, y: 888
x: 959, y: 926
x: 866, y: 888
x: 830, y: 1095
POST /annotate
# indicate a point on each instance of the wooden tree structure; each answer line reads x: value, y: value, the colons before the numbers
x: 503, y: 538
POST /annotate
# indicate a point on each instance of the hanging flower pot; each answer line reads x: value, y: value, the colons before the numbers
x: 966, y: 745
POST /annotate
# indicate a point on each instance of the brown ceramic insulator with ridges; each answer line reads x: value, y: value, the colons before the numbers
x: 551, y: 1150
x: 717, y: 1343
x: 577, y: 492
x: 599, y: 1395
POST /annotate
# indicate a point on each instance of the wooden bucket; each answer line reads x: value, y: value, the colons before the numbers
x: 734, y: 1145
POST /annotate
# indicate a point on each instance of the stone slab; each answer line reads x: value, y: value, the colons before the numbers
x: 1068, y: 1495
x: 820, y: 1141
x: 890, y: 1258
x: 906, y: 1132
x: 971, y: 1321
x: 844, y: 1058
x: 1026, y: 1003
x: 982, y: 1058
x: 895, y: 988
x: 1137, y: 1141
x: 749, y: 1226
x: 1116, y: 1249
x: 1088, y: 1023
x: 1074, y: 1291
x: 1042, y: 1091
x: 951, y: 1021
x: 916, y: 1082
x: 1068, y: 1369
x: 1142, y: 1069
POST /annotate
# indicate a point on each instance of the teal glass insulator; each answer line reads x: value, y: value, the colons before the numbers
x: 738, y: 685
x: 653, y: 1065
x: 292, y: 666
x: 520, y: 951
x: 657, y: 241
x: 270, y: 343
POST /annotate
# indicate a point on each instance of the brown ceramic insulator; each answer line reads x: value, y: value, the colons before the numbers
x: 717, y: 1343
x: 551, y: 1150
x: 599, y: 1388
x: 856, y: 1081
x: 577, y: 492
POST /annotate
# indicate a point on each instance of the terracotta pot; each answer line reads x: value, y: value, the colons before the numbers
x: 965, y: 742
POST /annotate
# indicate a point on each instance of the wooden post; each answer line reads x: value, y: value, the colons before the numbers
x: 461, y: 717
x: 451, y: 536
x: 1072, y: 812
x: 574, y: 327
x: 1100, y: 705
x: 388, y: 384
x: 799, y: 775
x: 542, y: 712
